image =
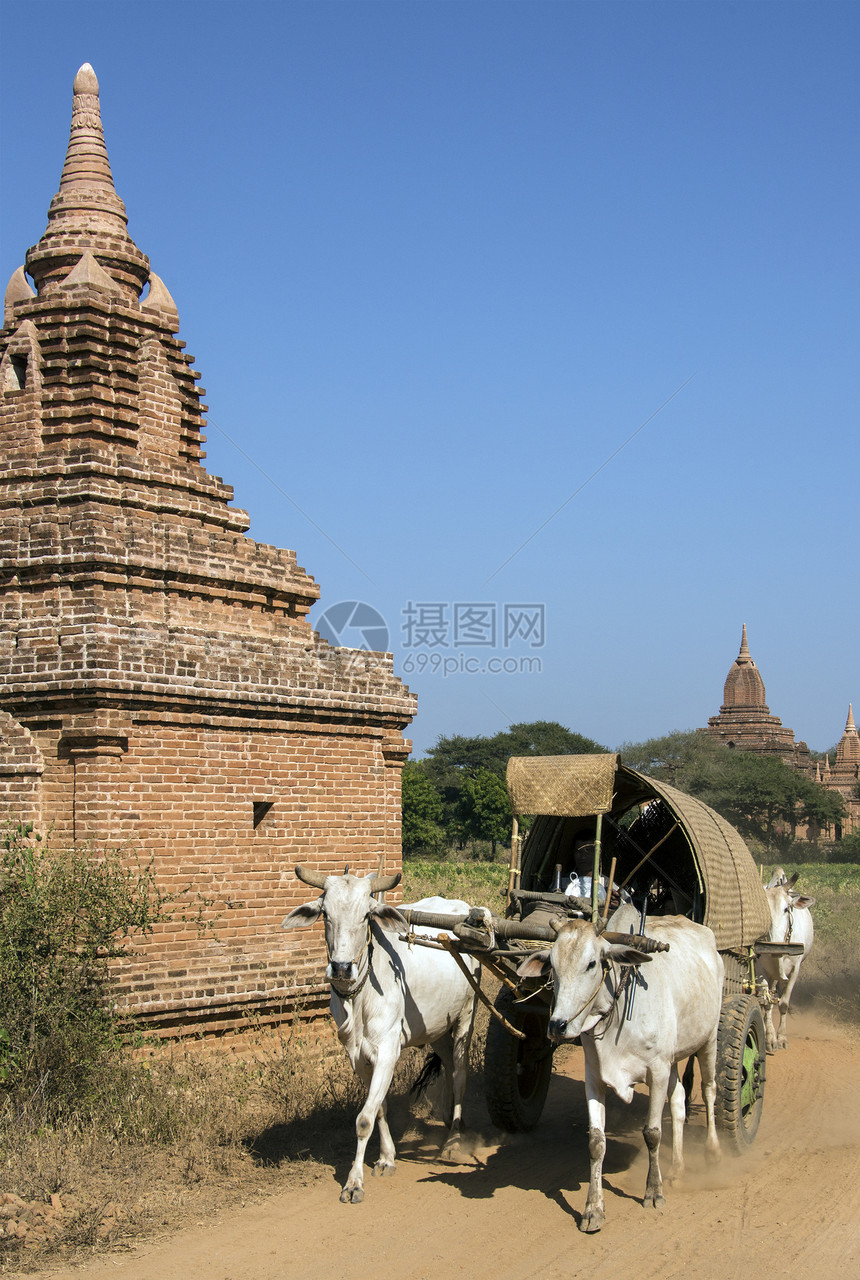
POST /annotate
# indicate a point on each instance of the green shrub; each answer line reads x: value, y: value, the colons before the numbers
x: 65, y: 914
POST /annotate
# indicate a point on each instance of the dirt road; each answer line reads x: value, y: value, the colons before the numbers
x: 791, y: 1208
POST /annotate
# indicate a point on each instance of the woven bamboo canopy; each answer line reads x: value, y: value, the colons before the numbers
x: 735, y: 905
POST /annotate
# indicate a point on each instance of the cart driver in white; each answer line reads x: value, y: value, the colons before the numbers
x: 579, y: 885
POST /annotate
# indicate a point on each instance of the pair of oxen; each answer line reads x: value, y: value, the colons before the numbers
x: 387, y: 995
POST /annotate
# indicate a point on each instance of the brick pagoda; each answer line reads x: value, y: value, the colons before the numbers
x: 160, y: 684
x: 745, y: 721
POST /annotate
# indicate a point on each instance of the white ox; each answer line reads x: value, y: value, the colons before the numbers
x: 387, y: 996
x: 791, y: 921
x: 675, y: 1014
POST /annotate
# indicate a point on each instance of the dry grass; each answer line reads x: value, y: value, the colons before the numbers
x: 182, y: 1134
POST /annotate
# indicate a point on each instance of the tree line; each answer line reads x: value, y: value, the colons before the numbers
x: 455, y: 797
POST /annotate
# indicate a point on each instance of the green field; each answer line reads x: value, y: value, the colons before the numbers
x: 830, y: 980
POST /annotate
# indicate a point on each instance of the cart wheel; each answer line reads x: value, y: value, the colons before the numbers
x: 741, y: 1061
x: 517, y: 1072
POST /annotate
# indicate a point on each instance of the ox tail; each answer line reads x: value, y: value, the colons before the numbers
x: 431, y: 1071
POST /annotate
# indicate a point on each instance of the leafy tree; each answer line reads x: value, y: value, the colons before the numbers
x: 540, y: 738
x: 457, y: 758
x: 688, y: 761
x: 422, y: 811
x: 485, y: 809
x: 766, y: 799
x: 847, y: 849
x: 547, y: 738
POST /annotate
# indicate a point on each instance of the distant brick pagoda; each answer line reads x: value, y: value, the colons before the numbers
x: 160, y: 683
x: 844, y: 774
x: 745, y: 723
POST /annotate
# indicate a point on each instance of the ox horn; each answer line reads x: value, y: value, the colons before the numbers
x: 316, y: 879
x: 381, y: 884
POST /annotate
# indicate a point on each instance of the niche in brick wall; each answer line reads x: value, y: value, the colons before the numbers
x: 21, y: 366
x: 261, y: 812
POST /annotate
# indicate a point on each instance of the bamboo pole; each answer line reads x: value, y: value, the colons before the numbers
x: 609, y: 889
x: 514, y: 869
x: 595, y: 876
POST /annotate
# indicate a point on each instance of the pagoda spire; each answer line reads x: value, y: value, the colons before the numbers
x: 87, y: 193
x: 744, y: 655
x: 86, y: 214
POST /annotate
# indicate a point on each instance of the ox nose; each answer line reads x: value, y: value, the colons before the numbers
x: 557, y: 1029
x: 341, y: 969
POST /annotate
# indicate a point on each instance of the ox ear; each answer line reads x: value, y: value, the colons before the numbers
x: 801, y: 900
x: 621, y: 953
x: 389, y: 917
x: 301, y: 917
x: 536, y: 966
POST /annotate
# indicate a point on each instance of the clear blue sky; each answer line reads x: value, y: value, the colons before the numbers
x: 438, y: 262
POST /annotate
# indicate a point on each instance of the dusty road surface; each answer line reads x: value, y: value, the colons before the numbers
x: 791, y: 1208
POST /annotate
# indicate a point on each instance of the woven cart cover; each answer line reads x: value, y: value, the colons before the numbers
x: 562, y: 786
x: 737, y: 907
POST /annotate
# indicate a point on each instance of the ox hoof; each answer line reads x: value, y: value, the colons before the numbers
x: 592, y: 1220
x: 656, y: 1201
x: 384, y: 1170
x: 352, y: 1195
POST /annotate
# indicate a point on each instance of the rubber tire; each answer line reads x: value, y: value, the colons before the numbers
x: 741, y: 1064
x: 517, y: 1072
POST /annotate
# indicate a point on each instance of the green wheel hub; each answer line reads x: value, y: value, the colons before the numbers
x: 741, y: 1061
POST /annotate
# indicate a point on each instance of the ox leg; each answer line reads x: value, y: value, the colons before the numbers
x: 678, y: 1109
x: 658, y: 1083
x: 707, y: 1057
x: 784, y: 1006
x: 595, y: 1092
x: 769, y: 1029
x: 385, y: 1165
x: 377, y: 1077
x: 462, y: 1038
x: 452, y: 1113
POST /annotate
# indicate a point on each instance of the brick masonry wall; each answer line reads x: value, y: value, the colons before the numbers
x: 184, y: 796
x: 158, y: 673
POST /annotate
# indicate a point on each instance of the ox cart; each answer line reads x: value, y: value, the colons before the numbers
x: 656, y: 851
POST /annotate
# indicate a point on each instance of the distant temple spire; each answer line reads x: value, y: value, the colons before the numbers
x: 745, y: 721
x: 744, y: 686
x: 848, y: 748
